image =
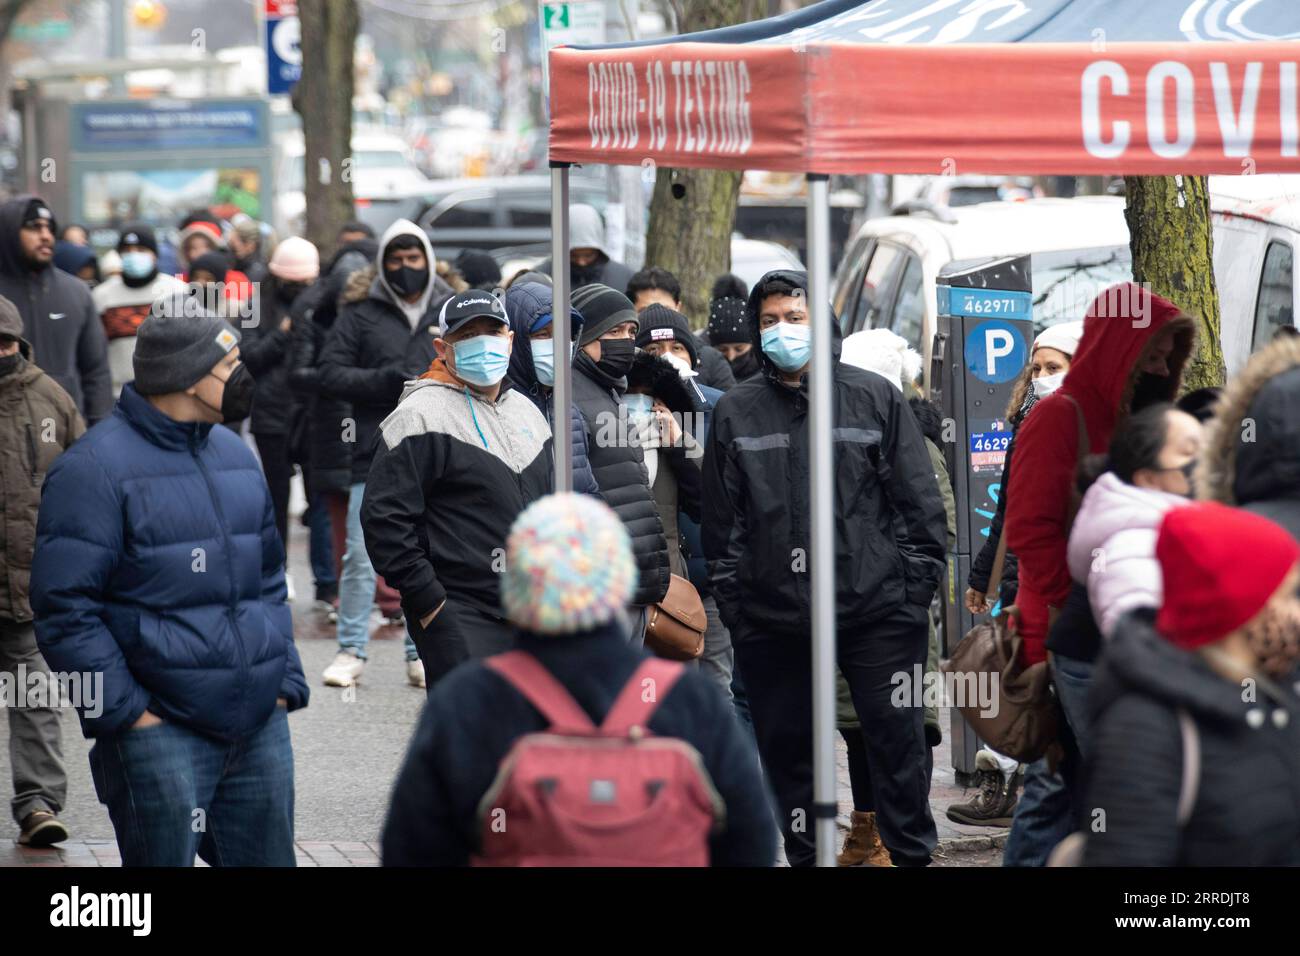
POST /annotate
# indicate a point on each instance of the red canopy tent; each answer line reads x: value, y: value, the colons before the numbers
x: 925, y: 86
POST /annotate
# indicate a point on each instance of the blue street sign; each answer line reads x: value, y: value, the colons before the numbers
x: 283, y: 54
x: 995, y: 351
x: 982, y: 303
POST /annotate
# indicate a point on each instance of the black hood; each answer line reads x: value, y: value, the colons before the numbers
x: 1269, y: 467
x: 1138, y: 660
x: 525, y: 303
x: 929, y: 418
x: 799, y: 280
x: 12, y: 262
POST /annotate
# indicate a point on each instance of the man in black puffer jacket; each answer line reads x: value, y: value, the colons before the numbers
x: 889, y: 542
x: 606, y: 350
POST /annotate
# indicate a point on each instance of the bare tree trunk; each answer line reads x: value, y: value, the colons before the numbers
x: 1172, y: 243
x: 693, y: 211
x: 323, y: 98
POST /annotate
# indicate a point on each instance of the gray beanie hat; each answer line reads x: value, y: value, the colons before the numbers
x: 172, y: 353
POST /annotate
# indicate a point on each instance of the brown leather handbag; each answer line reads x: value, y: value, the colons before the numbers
x: 675, y: 626
x: 1020, y: 718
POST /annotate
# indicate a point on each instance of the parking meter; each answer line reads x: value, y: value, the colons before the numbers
x: 984, y: 336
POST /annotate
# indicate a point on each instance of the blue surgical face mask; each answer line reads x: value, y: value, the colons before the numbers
x: 787, y: 345
x: 544, y: 360
x: 482, y: 360
x: 638, y: 405
x: 137, y: 265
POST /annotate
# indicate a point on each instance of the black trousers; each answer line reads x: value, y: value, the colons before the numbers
x: 777, y: 673
x: 278, y: 469
x: 459, y: 633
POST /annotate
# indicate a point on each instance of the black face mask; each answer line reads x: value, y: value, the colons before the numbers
x: 1148, y: 390
x: 616, y: 356
x: 743, y: 366
x: 237, y: 397
x: 586, y: 275
x: 288, y: 291
x: 9, y: 363
x: 407, y: 281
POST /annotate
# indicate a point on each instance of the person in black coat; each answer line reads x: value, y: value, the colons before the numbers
x: 383, y: 336
x: 566, y: 601
x: 890, y: 532
x: 319, y: 434
x: 1195, y: 754
x: 266, y: 353
x: 606, y: 351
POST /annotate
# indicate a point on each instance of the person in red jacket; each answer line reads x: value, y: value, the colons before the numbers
x: 1132, y: 354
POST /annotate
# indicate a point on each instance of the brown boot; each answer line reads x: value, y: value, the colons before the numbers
x: 863, y: 847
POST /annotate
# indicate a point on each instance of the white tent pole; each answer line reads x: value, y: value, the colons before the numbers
x: 561, y: 434
x: 821, y: 421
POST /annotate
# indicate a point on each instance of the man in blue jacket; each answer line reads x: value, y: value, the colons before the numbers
x: 159, y: 567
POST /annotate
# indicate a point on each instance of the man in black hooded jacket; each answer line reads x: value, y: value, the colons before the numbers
x: 889, y: 544
x: 59, y: 316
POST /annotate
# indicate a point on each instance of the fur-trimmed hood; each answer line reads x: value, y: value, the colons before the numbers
x: 1252, y: 445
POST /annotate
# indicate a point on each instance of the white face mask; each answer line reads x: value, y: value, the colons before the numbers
x: 1047, y: 384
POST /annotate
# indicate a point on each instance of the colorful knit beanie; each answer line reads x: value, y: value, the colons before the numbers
x: 569, y: 566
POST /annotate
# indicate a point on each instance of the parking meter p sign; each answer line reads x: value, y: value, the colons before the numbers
x: 995, y: 351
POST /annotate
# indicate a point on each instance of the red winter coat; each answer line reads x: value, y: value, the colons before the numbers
x: 1102, y: 379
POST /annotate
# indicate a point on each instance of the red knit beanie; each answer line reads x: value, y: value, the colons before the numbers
x: 1220, y: 566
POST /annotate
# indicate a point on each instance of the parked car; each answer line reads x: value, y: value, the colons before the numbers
x: 1077, y: 248
x: 1256, y: 234
x: 381, y: 167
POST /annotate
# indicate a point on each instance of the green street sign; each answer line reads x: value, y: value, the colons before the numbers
x: 557, y: 16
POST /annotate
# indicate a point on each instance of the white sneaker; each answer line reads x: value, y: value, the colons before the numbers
x: 288, y: 586
x: 344, y: 671
x: 415, y: 673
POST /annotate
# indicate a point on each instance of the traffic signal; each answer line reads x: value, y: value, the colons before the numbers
x: 148, y: 14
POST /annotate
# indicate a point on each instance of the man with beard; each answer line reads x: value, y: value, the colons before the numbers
x: 59, y: 317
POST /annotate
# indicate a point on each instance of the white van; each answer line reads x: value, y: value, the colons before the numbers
x: 1256, y: 234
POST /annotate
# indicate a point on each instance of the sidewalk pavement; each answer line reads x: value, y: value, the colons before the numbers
x: 977, y: 844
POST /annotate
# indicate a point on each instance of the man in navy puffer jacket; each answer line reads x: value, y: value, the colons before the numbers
x: 158, y: 566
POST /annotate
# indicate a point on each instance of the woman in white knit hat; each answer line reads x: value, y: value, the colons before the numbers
x: 997, y: 776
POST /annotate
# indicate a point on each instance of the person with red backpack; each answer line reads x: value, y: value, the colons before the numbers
x: 574, y: 749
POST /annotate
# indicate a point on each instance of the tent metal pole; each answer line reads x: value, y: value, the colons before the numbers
x: 821, y: 421
x: 561, y: 434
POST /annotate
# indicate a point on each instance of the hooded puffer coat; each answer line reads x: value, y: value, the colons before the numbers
x: 1252, y: 448
x: 525, y: 302
x: 1112, y: 547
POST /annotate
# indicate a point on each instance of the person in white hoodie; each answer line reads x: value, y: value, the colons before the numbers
x: 1112, y: 546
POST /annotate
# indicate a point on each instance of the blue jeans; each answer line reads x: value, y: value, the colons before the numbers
x: 322, y: 549
x: 172, y: 793
x: 357, y: 586
x: 1043, y: 817
x: 1073, y: 680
